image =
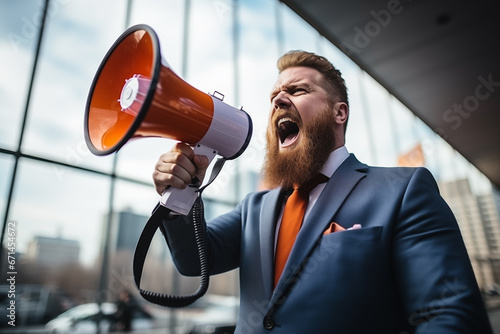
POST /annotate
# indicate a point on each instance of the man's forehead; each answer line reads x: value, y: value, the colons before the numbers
x: 298, y: 74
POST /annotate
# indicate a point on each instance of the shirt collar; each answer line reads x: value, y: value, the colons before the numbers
x: 336, y: 158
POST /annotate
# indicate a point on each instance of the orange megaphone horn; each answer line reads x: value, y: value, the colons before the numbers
x: 136, y: 94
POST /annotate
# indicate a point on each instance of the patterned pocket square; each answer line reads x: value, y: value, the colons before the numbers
x: 334, y: 227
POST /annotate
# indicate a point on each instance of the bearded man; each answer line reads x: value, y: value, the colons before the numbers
x: 377, y: 250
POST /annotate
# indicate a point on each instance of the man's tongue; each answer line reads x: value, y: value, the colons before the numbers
x: 289, y: 140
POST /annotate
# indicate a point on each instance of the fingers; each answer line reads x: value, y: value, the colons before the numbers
x: 201, y: 162
x: 174, y: 168
x: 178, y: 167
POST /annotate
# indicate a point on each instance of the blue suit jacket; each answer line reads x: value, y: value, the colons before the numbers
x: 406, y: 270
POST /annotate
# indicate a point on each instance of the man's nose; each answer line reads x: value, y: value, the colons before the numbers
x: 281, y: 101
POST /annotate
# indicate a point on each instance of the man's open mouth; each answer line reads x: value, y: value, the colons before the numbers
x: 288, y: 131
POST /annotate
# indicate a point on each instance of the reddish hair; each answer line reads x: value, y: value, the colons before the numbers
x: 335, y: 84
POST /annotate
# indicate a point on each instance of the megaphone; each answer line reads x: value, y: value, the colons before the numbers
x: 136, y: 94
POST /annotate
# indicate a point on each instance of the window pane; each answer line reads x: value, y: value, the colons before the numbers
x: 72, y: 207
x: 167, y: 19
x: 72, y: 51
x: 59, y: 235
x: 406, y: 132
x: 358, y: 137
x: 258, y: 55
x: 6, y: 165
x: 379, y: 121
x: 19, y: 28
x: 133, y: 205
x: 210, y: 61
x: 298, y: 35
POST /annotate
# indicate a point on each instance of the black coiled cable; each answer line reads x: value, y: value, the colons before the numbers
x: 154, y: 222
x: 140, y: 254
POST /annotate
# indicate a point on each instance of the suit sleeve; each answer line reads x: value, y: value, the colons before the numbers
x: 432, y: 267
x: 222, y: 236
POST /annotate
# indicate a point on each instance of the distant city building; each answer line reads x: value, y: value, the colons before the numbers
x: 129, y: 227
x: 496, y: 198
x: 53, y: 252
x: 479, y: 222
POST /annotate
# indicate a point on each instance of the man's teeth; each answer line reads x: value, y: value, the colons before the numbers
x: 286, y: 119
x: 287, y: 130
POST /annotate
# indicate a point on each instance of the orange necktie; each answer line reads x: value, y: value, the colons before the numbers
x: 293, y: 214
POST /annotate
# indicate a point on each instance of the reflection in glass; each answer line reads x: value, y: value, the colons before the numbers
x: 59, y: 228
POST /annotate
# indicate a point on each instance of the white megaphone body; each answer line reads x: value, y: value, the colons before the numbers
x: 136, y: 94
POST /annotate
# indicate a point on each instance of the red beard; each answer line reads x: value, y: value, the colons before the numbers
x: 298, y: 165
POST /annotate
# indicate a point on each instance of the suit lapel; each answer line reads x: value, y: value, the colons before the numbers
x: 335, y: 192
x: 270, y: 210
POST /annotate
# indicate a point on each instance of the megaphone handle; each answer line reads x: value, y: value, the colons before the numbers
x: 181, y: 200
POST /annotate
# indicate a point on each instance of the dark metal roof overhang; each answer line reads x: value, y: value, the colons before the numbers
x: 439, y: 58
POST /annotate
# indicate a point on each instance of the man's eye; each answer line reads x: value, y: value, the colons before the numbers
x: 299, y: 90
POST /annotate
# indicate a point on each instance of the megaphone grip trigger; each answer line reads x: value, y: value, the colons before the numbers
x: 195, y: 182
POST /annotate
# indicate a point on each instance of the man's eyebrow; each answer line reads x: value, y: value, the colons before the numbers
x: 290, y: 86
x: 301, y: 84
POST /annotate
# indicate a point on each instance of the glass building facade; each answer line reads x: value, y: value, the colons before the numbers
x: 56, y: 197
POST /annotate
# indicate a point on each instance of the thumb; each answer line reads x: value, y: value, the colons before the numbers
x: 201, y: 162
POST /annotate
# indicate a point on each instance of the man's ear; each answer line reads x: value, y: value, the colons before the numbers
x: 341, y: 111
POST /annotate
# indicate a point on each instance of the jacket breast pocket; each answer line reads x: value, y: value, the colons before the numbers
x: 343, y: 260
x: 361, y: 235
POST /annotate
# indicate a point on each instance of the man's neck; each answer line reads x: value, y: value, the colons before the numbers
x: 335, y: 159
